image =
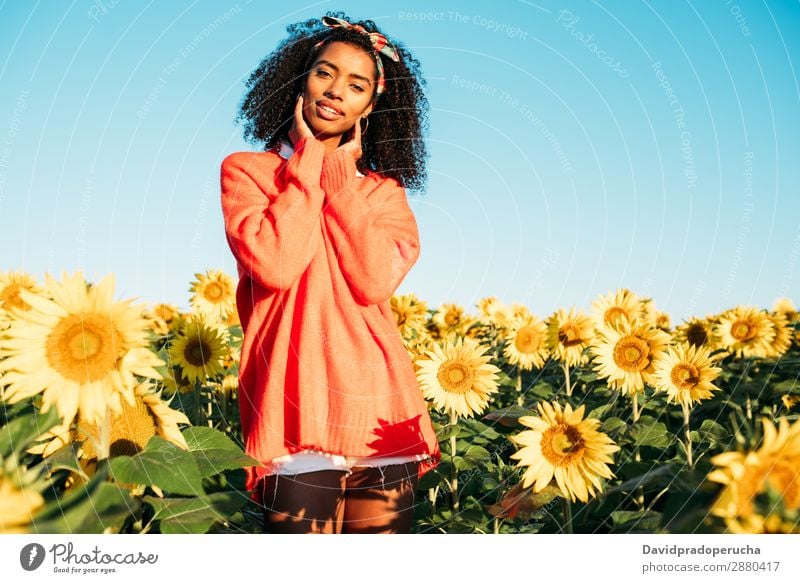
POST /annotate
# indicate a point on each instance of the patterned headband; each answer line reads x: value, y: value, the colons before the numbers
x: 379, y: 43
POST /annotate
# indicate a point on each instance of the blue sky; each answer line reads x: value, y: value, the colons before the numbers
x: 575, y: 147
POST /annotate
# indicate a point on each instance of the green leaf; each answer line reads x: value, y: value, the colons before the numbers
x: 787, y: 386
x: 162, y: 464
x: 600, y: 411
x: 712, y: 432
x: 509, y: 416
x: 612, y: 425
x: 214, y: 452
x: 543, y: 390
x: 194, y: 515
x: 475, y: 427
x: 649, y: 432
x: 635, y: 521
x: 477, y: 455
x: 661, y: 474
x: 22, y: 431
x: 447, y: 432
x: 65, y: 458
x: 92, y: 508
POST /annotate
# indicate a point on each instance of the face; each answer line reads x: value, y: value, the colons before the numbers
x: 343, y: 78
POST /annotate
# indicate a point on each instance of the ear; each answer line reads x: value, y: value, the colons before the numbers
x: 368, y: 109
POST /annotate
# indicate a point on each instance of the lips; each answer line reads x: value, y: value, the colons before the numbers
x: 329, y: 105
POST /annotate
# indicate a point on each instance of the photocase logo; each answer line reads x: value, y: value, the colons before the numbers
x: 31, y: 556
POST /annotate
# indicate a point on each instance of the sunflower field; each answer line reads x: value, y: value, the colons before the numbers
x: 123, y: 418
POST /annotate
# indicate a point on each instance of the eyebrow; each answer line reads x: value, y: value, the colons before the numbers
x: 335, y: 68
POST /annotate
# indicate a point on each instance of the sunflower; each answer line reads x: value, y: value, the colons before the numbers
x: 498, y: 315
x: 627, y: 357
x: 686, y: 373
x: 10, y: 284
x: 783, y: 336
x: 789, y: 401
x: 411, y: 314
x: 419, y: 346
x: 487, y: 305
x: 568, y: 334
x: 615, y: 307
x: 662, y: 321
x: 698, y: 332
x: 449, y: 320
x: 160, y: 318
x: 563, y: 445
x: 213, y: 295
x: 520, y: 311
x: 198, y: 349
x: 128, y: 431
x: 527, y: 343
x: 229, y: 385
x: 746, y: 475
x: 17, y: 506
x: 786, y: 307
x: 457, y: 377
x: 80, y: 349
x: 746, y: 330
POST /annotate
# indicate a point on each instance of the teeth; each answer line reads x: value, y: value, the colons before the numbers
x: 326, y: 108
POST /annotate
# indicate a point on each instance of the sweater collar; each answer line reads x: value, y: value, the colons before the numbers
x: 286, y: 149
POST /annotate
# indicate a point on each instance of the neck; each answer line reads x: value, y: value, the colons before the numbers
x: 330, y: 142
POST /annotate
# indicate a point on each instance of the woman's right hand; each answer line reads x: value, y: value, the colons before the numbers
x: 299, y: 129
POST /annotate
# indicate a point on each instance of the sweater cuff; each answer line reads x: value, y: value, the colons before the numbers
x: 338, y: 170
x: 306, y: 161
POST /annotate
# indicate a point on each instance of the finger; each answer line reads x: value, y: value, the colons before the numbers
x: 357, y: 132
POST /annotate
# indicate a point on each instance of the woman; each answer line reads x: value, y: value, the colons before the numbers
x: 323, y: 235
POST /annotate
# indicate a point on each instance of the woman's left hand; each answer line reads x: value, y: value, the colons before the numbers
x: 353, y: 146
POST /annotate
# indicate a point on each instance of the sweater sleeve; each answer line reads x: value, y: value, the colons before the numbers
x: 273, y: 241
x: 377, y: 242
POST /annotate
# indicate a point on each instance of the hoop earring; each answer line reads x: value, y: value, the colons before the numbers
x: 364, y: 131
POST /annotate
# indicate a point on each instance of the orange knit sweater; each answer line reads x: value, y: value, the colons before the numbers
x: 319, y: 253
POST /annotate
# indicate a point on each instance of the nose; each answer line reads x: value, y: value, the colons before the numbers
x: 335, y: 88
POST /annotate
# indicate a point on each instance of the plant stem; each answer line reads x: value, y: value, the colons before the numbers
x: 497, y: 523
x: 520, y: 400
x: 686, y: 413
x: 196, y: 419
x: 566, y: 509
x: 453, y: 470
x: 637, y: 455
x: 565, y: 368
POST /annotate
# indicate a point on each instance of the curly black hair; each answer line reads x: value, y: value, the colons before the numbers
x: 392, y: 145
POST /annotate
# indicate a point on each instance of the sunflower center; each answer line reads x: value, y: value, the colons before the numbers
x: 84, y: 347
x: 632, y: 354
x: 128, y: 431
x: 450, y: 318
x: 197, y: 352
x: 528, y: 339
x: 742, y: 330
x: 213, y: 292
x: 569, y: 335
x: 614, y: 315
x: 685, y: 376
x: 455, y: 377
x: 562, y: 444
x: 696, y: 334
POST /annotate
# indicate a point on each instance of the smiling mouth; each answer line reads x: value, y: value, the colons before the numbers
x: 328, y: 110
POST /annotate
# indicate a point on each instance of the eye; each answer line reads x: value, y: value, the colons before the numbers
x: 358, y: 88
x: 321, y: 73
